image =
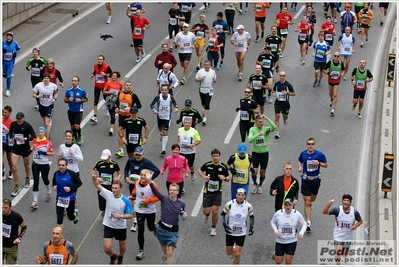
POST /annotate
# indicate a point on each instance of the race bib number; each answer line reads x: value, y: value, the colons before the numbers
x: 255, y: 85
x: 347, y: 48
x: 134, y: 177
x: 258, y: 8
x: 107, y: 178
x: 302, y: 36
x: 240, y: 44
x: 240, y: 175
x: 6, y: 230
x: 200, y: 34
x: 8, y: 56
x: 266, y: 63
x: 211, y: 42
x: 334, y: 75
x: 186, y: 45
x: 274, y: 47
x: 143, y: 206
x: 71, y: 161
x: 360, y: 84
x: 99, y: 78
x: 244, y: 115
x: 63, y: 202
x: 173, y: 21
x: 281, y: 96
x: 310, y: 166
x: 260, y: 141
x: 36, y: 155
x: 137, y: 31
x: 213, y: 186
x: 284, y: 31
x: 123, y: 106
x: 286, y: 230
x: 4, y: 137
x: 133, y: 139
x: 46, y: 96
x: 329, y: 36
x: 17, y: 136
x: 237, y: 229
x: 36, y: 72
x: 56, y: 259
x: 319, y: 53
x: 345, y: 226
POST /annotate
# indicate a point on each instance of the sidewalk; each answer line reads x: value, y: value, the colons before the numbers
x: 29, y: 33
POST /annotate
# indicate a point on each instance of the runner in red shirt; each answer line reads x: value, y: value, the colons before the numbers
x: 283, y: 20
x: 112, y: 89
x: 304, y: 31
x: 140, y: 24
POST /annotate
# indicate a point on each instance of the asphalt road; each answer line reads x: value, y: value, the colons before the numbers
x: 76, y: 48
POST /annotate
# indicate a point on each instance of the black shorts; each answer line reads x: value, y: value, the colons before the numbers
x: 46, y: 111
x: 173, y: 28
x: 212, y: 199
x: 121, y: 119
x: 222, y: 48
x: 282, y: 107
x: 20, y: 151
x: 190, y: 158
x: 282, y: 249
x: 330, y: 42
x: 281, y: 35
x: 259, y: 100
x: 119, y: 234
x: 97, y: 92
x: 319, y: 65
x: 7, y: 148
x: 366, y: 26
x: 184, y: 57
x: 310, y: 188
x: 261, y: 20
x: 303, y: 41
x: 138, y: 42
x: 238, y: 240
x: 268, y: 73
x: 384, y: 5
x: 187, y: 17
x: 131, y: 147
x: 164, y: 124
x: 75, y: 117
x: 206, y: 100
x: 359, y: 94
x: 261, y: 159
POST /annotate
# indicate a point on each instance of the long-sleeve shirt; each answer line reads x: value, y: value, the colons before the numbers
x: 135, y: 167
x: 165, y: 57
x: 286, y: 224
x: 176, y: 166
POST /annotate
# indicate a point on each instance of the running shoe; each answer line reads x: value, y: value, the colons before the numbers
x: 303, y: 62
x: 79, y: 142
x: 314, y: 83
x: 308, y: 229
x: 193, y: 176
x: 361, y: 44
x: 260, y: 190
x: 27, y: 182
x: 285, y: 122
x: 37, y: 107
x: 143, y: 54
x: 213, y: 231
x: 138, y: 59
x: 359, y: 30
x: 109, y: 20
x: 197, y: 68
x: 16, y: 191
x: 165, y: 256
x: 246, y: 9
x: 270, y: 99
x: 240, y: 77
x: 319, y: 83
x: 331, y: 102
x: 113, y: 258
x: 10, y: 175
x: 48, y: 197
x: 281, y: 55
x: 183, y: 81
x: 359, y: 116
x: 257, y: 39
x: 353, y: 106
x: 332, y: 112
x: 94, y: 119
x: 273, y: 255
x: 204, y: 121
x: 120, y: 153
x: 120, y: 260
x: 206, y: 219
x: 367, y: 39
x: 381, y: 23
x: 344, y: 78
x: 221, y: 63
x: 163, y: 152
x: 76, y: 219
x: 134, y: 227
x: 140, y: 255
x: 34, y: 205
x: 231, y: 256
x: 335, y: 20
x: 7, y: 93
x: 4, y: 177
x: 132, y: 44
x: 111, y: 131
x: 277, y: 135
x: 240, y: 11
x: 170, y: 50
x: 262, y: 35
x: 254, y: 189
x: 183, y: 191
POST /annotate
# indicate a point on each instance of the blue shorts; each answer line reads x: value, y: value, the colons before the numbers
x: 46, y: 111
x: 167, y: 238
x: 346, y: 56
x: 234, y: 188
x: 7, y: 148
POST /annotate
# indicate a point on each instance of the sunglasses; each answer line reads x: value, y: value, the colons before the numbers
x: 336, y: 56
x: 311, y: 144
x: 247, y: 92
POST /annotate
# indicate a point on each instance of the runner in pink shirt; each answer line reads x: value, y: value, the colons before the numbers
x: 178, y: 169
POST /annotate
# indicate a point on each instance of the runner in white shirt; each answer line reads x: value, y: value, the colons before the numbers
x: 206, y: 78
x: 284, y: 224
x: 165, y: 76
x: 346, y: 46
x: 185, y: 41
x: 241, y: 40
x: 47, y: 93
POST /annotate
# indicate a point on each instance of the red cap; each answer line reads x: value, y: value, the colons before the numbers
x: 347, y: 5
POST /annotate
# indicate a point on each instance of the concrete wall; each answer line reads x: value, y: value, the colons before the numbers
x: 16, y: 13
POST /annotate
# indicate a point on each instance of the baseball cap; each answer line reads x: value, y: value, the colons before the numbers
x: 289, y: 200
x: 347, y: 5
x: 220, y: 14
x: 106, y: 154
x: 10, y: 33
x: 20, y: 115
x: 186, y: 25
x: 242, y: 148
x: 240, y: 27
x: 268, y: 47
x: 139, y: 150
x: 188, y: 102
x: 134, y: 110
x: 241, y: 191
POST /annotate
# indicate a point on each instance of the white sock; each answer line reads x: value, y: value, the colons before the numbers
x: 164, y: 142
x: 48, y: 188
x: 35, y: 195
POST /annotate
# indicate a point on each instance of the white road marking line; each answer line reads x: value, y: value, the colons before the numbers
x: 130, y: 73
x: 232, y: 128
x: 198, y: 204
x: 299, y: 12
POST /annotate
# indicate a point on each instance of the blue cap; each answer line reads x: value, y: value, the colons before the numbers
x: 139, y: 150
x: 289, y: 200
x: 242, y: 148
x: 41, y: 128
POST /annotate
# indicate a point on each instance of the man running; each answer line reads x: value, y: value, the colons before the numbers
x: 360, y: 76
x: 140, y: 25
x: 335, y: 70
x: 186, y: 42
x: 346, y: 46
x: 10, y: 51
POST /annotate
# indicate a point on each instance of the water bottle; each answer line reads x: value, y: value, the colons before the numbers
x: 181, y: 214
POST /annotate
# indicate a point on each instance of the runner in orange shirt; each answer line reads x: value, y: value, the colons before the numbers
x: 260, y: 18
x: 112, y: 89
